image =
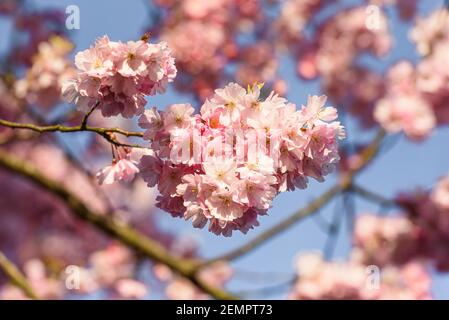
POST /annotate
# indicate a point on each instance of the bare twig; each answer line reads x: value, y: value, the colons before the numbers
x: 107, y: 133
x: 372, y: 196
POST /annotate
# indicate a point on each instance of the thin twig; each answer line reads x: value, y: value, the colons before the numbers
x: 107, y: 133
x: 87, y: 115
x: 372, y: 196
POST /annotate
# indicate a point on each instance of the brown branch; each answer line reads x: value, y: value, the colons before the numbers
x: 148, y: 247
x: 107, y: 133
x: 345, y: 182
x: 16, y: 276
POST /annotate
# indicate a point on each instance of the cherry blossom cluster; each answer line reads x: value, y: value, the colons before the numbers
x: 33, y: 32
x: 111, y: 268
x: 294, y: 16
x: 403, y: 108
x: 333, y: 51
x: 385, y: 240
x: 319, y: 279
x: 340, y: 40
x: 206, y: 38
x: 123, y: 167
x: 116, y: 76
x: 51, y: 67
x: 226, y: 164
x: 31, y: 28
x: 429, y: 212
x: 416, y: 99
x: 421, y: 232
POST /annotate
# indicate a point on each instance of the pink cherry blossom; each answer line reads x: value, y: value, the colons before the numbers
x: 178, y: 116
x: 121, y: 169
x: 216, y: 166
x: 230, y: 102
x: 385, y: 240
x: 118, y: 76
x: 319, y: 279
x: 222, y: 206
x: 51, y: 68
x: 411, y: 114
x: 133, y: 58
x: 130, y: 289
x: 96, y: 61
x: 151, y: 121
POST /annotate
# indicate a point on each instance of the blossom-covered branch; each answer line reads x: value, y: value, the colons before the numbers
x: 134, y: 239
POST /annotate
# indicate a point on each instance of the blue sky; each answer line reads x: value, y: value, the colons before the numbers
x: 406, y: 166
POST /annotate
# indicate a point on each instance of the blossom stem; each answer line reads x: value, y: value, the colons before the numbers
x: 86, y: 117
x: 127, y: 235
x: 16, y: 276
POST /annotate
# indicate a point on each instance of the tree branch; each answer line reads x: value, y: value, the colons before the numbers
x: 150, y: 248
x: 372, y: 196
x: 106, y: 133
x: 16, y: 277
x: 345, y: 182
